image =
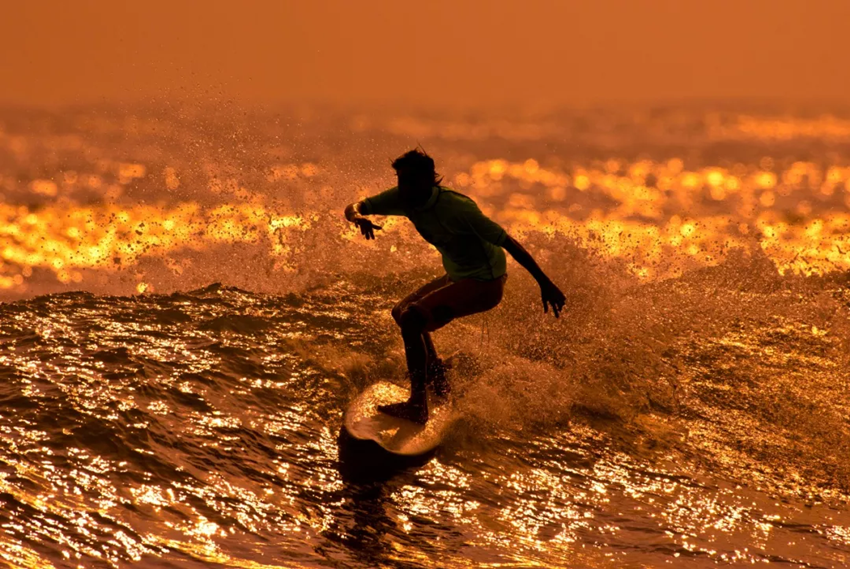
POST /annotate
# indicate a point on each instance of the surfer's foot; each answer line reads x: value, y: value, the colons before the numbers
x: 406, y: 410
x: 437, y: 378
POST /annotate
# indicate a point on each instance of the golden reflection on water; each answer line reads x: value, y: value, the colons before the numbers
x: 657, y: 217
x: 66, y: 240
x: 557, y: 513
x: 532, y: 499
x: 647, y: 228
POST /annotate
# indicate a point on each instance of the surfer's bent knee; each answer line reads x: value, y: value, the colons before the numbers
x: 412, y: 320
x: 397, y: 311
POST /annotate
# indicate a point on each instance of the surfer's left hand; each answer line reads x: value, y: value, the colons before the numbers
x: 553, y: 296
x: 367, y: 228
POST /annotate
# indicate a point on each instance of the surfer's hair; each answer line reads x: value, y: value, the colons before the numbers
x: 417, y: 164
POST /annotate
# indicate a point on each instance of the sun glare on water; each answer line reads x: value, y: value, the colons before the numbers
x: 660, y: 217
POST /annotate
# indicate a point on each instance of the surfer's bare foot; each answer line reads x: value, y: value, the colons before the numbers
x: 406, y: 410
x: 437, y: 378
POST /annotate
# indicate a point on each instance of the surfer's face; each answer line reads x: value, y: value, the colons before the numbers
x: 414, y: 190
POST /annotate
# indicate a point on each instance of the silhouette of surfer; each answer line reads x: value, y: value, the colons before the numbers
x: 471, y: 246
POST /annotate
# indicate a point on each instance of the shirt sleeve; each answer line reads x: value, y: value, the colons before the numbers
x: 385, y: 203
x: 483, y: 226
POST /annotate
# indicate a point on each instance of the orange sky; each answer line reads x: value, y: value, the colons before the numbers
x: 431, y: 51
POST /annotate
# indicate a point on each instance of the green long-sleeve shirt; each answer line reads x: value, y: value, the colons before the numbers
x: 469, y: 241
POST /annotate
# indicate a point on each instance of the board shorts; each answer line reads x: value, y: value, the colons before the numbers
x: 442, y: 300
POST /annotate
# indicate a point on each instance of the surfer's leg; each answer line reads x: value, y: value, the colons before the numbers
x: 459, y: 299
x: 434, y: 367
x: 416, y: 352
x: 429, y: 345
x: 436, y: 370
x: 435, y: 364
x: 416, y: 407
x: 419, y: 293
x: 462, y: 298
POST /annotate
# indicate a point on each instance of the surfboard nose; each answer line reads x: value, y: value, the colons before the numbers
x: 365, y: 461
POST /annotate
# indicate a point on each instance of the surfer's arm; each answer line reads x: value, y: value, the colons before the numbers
x: 385, y: 203
x: 550, y: 293
x: 353, y: 214
x: 492, y: 232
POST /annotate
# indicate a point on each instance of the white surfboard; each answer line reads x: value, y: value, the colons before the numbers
x: 363, y: 421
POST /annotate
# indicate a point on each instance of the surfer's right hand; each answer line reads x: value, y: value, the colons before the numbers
x: 552, y: 296
x: 367, y: 228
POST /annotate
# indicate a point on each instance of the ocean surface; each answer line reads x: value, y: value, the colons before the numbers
x: 186, y: 315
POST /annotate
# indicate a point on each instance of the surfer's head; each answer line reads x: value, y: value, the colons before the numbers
x: 416, y: 176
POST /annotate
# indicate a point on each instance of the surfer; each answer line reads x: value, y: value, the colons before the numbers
x: 471, y: 246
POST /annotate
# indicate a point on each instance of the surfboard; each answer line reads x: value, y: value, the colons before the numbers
x: 401, y: 437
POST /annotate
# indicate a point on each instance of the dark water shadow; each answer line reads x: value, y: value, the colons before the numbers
x: 366, y: 462
x: 363, y: 529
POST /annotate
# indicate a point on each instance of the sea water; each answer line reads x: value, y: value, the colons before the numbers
x: 188, y: 314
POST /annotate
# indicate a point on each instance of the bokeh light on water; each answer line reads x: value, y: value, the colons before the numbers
x: 91, y: 212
